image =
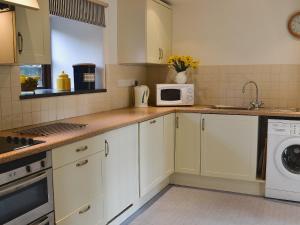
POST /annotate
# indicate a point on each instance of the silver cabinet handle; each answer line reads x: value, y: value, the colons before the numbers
x: 159, y: 54
x: 85, y: 210
x: 82, y: 149
x: 177, y: 122
x: 82, y: 163
x: 153, y: 122
x: 106, y: 148
x: 20, y: 42
x: 203, y: 124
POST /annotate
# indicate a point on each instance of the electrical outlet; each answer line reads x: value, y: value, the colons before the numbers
x: 126, y: 83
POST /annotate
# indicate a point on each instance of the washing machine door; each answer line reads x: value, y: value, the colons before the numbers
x: 287, y: 158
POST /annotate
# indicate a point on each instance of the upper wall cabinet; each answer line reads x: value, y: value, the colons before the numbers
x: 144, y: 31
x: 33, y: 34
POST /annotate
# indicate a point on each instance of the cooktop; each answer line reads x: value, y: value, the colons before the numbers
x: 10, y: 143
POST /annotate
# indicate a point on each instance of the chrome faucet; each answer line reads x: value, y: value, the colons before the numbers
x: 253, y: 104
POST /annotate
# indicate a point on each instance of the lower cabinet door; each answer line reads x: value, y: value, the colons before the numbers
x: 187, y: 151
x: 152, y: 170
x: 76, y: 184
x: 229, y: 146
x: 169, y: 144
x: 120, y: 170
x: 89, y: 214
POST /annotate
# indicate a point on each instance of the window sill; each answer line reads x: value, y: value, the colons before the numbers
x: 45, y: 93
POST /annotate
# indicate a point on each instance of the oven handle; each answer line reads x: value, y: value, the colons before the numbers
x: 43, y: 221
x: 20, y: 184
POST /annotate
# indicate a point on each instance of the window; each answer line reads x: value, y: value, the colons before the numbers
x: 40, y: 72
x: 74, y: 42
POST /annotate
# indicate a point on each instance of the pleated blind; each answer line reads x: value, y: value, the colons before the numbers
x: 80, y: 10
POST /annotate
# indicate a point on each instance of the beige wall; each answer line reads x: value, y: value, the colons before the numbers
x: 235, y: 32
x: 17, y: 113
x: 279, y: 85
x: 236, y: 41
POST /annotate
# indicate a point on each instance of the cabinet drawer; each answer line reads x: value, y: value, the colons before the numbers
x: 89, y: 214
x: 76, y: 184
x: 70, y: 153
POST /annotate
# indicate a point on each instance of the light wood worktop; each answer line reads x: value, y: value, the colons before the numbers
x: 105, y: 121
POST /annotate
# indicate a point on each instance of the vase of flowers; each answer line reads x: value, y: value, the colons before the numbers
x: 181, y: 64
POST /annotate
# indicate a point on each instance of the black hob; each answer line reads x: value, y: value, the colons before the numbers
x: 10, y: 143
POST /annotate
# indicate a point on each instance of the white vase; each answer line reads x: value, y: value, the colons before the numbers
x: 181, y: 77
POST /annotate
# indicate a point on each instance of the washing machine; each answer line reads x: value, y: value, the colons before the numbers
x: 283, y: 160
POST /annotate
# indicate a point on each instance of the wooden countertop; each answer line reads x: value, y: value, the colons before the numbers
x: 105, y: 121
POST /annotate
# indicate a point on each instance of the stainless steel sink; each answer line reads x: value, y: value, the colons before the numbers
x: 229, y: 107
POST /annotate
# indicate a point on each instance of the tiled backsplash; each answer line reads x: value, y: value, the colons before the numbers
x: 17, y: 113
x: 279, y: 85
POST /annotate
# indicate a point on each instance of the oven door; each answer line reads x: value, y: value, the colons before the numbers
x: 27, y: 199
x: 170, y: 96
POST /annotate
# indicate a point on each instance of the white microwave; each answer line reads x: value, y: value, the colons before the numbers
x: 174, y: 94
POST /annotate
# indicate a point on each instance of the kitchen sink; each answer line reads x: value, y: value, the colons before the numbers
x: 229, y: 107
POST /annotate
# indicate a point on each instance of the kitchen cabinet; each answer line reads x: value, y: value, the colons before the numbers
x: 144, y: 31
x: 120, y: 170
x: 7, y: 38
x: 187, y: 151
x: 33, y: 34
x: 151, y: 154
x: 229, y: 146
x: 169, y: 144
x: 77, y: 186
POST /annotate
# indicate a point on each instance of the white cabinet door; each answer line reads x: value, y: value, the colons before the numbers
x: 7, y: 38
x: 165, y: 32
x: 76, y: 185
x: 169, y: 144
x: 187, y: 152
x: 151, y: 152
x: 33, y: 34
x: 144, y: 31
x: 229, y: 146
x: 120, y: 170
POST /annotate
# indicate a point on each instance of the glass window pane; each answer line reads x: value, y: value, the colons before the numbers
x: 33, y: 71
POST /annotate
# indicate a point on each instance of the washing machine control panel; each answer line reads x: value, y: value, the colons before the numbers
x: 284, y: 128
x: 295, y: 129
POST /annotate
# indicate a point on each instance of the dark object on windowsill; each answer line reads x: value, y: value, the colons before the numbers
x: 44, y: 93
x: 29, y: 84
x: 84, y: 76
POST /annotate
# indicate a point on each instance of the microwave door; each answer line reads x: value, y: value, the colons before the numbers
x: 171, y: 96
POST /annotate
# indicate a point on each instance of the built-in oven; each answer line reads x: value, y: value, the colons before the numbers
x: 26, y: 191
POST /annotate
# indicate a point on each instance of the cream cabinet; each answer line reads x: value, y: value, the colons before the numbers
x: 78, y: 190
x: 120, y: 170
x: 33, y: 34
x: 229, y: 146
x: 187, y: 152
x: 144, y: 31
x: 151, y: 154
x: 7, y: 38
x: 169, y: 144
x: 157, y: 143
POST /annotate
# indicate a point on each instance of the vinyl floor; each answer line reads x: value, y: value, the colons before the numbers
x: 188, y: 206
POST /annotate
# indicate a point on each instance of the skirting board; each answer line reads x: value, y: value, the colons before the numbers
x: 141, y: 202
x: 245, y: 187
